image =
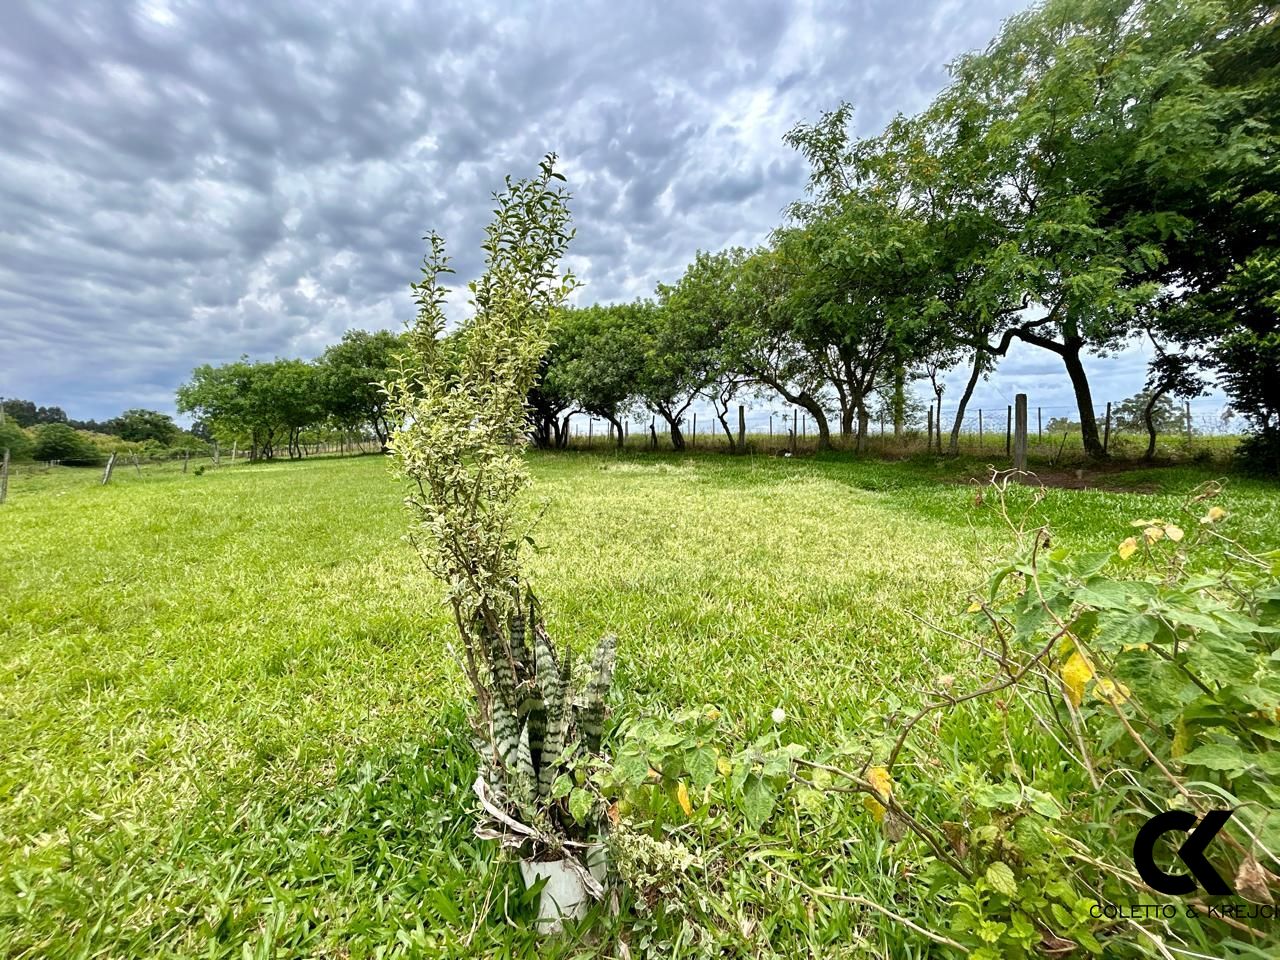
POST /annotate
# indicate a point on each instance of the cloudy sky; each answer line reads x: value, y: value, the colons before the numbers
x: 185, y: 182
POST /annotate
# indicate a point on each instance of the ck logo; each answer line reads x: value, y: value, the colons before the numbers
x: 1191, y: 853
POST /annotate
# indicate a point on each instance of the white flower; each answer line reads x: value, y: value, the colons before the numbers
x: 779, y: 714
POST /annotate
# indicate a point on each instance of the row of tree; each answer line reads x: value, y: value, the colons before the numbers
x: 267, y: 405
x: 1103, y: 171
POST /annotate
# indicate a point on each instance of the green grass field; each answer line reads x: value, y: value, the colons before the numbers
x: 231, y: 723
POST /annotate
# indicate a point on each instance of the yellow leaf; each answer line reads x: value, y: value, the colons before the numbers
x: 1114, y: 693
x: 1181, y: 739
x: 1075, y: 674
x: 1127, y: 548
x: 724, y: 766
x: 1214, y: 515
x: 974, y: 607
x: 880, y: 779
x: 682, y: 797
x: 1173, y: 532
x: 1153, y: 534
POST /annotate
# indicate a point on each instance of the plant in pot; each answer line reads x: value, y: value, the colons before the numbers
x: 459, y: 405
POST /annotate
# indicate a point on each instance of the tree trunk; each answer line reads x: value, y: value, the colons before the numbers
x: 1084, y: 401
x: 899, y: 400
x: 953, y: 445
x: 1148, y: 419
x: 724, y: 425
x: 615, y: 429
x: 864, y: 421
x: 677, y: 438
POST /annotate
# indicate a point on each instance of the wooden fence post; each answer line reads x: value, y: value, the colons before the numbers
x: 1186, y: 407
x: 1106, y: 429
x: 186, y: 457
x: 770, y: 426
x: 1039, y: 426
x: 1020, y: 433
x: 4, y: 476
x: 742, y: 428
x: 930, y: 429
x: 979, y: 430
x: 106, y: 474
x: 216, y: 458
x: 795, y: 425
x: 1008, y: 432
x: 695, y: 428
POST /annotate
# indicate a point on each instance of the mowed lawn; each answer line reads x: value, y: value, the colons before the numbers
x: 231, y: 723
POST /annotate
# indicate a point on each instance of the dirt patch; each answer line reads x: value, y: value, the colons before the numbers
x: 1107, y: 479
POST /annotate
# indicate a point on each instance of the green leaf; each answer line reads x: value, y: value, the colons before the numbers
x: 1042, y: 803
x: 758, y: 799
x: 580, y: 803
x: 1217, y: 756
x: 1001, y: 878
x: 700, y: 763
x: 561, y: 787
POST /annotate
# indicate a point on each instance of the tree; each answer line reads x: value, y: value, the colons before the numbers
x: 15, y: 439
x: 597, y: 359
x: 1132, y: 413
x: 26, y: 414
x: 139, y: 425
x: 58, y: 441
x: 257, y: 402
x: 352, y: 372
x: 678, y: 359
x: 740, y: 296
x: 1072, y: 100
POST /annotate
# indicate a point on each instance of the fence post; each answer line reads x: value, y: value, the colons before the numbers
x: 695, y: 429
x: 1039, y: 426
x: 234, y: 443
x: 1008, y: 432
x: 1186, y: 407
x: 742, y: 428
x: 1106, y: 429
x: 4, y: 476
x: 929, y: 441
x: 186, y: 456
x: 216, y: 458
x: 979, y: 430
x: 106, y: 474
x: 795, y: 428
x: 1020, y: 433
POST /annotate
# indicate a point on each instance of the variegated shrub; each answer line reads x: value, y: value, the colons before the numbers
x: 461, y: 424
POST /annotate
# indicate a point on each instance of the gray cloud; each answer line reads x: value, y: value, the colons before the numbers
x: 184, y: 182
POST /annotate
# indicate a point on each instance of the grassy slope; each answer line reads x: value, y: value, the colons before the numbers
x: 229, y: 720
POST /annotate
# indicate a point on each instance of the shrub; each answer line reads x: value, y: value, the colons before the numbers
x: 57, y: 441
x: 16, y: 440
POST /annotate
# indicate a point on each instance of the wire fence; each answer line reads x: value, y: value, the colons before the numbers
x: 1053, y: 431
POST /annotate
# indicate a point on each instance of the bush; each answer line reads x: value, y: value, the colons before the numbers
x: 16, y: 440
x: 57, y: 441
x: 1259, y: 453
